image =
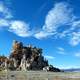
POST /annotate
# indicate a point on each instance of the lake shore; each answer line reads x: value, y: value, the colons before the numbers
x: 39, y: 75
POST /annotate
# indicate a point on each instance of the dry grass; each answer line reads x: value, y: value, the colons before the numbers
x: 38, y: 75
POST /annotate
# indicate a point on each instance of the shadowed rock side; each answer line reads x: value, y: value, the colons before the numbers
x: 27, y: 58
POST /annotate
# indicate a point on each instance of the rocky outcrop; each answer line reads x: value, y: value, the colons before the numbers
x: 26, y: 58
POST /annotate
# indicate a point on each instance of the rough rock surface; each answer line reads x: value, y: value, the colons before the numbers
x: 26, y: 58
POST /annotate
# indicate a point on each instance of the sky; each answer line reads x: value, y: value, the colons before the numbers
x: 53, y: 25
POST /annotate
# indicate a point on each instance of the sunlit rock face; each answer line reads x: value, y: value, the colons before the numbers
x: 25, y: 58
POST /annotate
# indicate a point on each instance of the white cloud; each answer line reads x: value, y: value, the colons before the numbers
x: 4, y: 11
x: 75, y: 34
x: 58, y: 16
x: 76, y: 23
x: 77, y: 54
x: 61, y: 14
x: 20, y: 28
x: 61, y: 50
x: 49, y: 57
x: 75, y: 38
x: 4, y: 23
x: 5, y: 16
x: 42, y: 35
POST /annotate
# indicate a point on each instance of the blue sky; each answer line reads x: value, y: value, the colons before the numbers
x: 53, y: 25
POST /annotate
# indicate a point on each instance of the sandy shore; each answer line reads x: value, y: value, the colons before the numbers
x: 39, y: 75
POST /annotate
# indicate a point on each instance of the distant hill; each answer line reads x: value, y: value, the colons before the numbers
x: 72, y: 70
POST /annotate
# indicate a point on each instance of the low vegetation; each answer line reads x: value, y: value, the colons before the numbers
x: 38, y: 75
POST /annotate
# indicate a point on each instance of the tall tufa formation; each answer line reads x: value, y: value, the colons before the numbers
x: 27, y: 57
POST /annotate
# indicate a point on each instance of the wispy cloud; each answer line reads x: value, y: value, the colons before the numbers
x: 43, y: 34
x: 5, y: 15
x: 49, y: 57
x: 77, y: 54
x: 4, y: 23
x: 20, y: 28
x: 58, y: 16
x: 75, y: 34
x: 75, y: 38
x: 5, y: 11
x: 61, y: 51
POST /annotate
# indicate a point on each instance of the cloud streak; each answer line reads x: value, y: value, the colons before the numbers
x: 77, y: 54
x: 49, y: 57
x: 60, y: 16
x: 5, y: 11
x: 61, y: 51
x: 20, y: 28
x: 75, y: 38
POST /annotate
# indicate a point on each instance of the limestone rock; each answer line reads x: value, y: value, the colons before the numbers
x: 25, y: 58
